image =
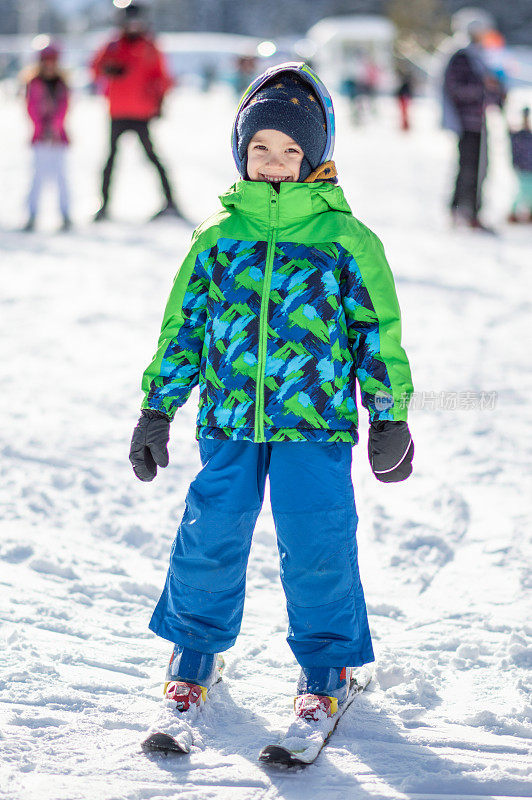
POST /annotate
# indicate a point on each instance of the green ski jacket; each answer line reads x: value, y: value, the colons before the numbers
x: 283, y: 302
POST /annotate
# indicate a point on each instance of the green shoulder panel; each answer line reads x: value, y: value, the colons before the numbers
x: 162, y: 370
x: 368, y: 252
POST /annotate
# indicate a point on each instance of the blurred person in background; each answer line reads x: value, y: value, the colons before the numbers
x: 370, y: 82
x: 521, y: 141
x: 350, y: 87
x: 208, y: 77
x: 246, y: 70
x: 47, y: 97
x: 404, y: 93
x: 133, y: 75
x: 469, y: 86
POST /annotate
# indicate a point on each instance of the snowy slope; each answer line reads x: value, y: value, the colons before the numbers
x: 84, y: 545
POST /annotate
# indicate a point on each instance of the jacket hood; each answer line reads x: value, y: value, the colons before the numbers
x: 305, y: 74
x: 296, y: 200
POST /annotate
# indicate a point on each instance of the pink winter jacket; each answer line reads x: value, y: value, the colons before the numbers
x: 47, y: 103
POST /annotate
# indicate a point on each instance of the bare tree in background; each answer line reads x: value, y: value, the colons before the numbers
x: 419, y: 22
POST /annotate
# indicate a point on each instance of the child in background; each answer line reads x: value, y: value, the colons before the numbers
x: 521, y: 141
x: 47, y: 103
x: 283, y: 302
x: 404, y: 95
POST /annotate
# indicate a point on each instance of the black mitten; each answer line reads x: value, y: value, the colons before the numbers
x: 390, y: 451
x: 149, y: 444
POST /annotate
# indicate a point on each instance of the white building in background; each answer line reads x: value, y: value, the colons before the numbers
x: 352, y: 47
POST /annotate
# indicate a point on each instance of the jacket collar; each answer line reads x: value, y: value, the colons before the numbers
x: 295, y: 200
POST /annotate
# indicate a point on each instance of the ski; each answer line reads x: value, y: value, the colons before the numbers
x: 173, y: 730
x: 164, y: 743
x: 305, y: 738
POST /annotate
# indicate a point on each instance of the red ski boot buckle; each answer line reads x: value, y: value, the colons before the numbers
x: 311, y: 706
x: 185, y: 694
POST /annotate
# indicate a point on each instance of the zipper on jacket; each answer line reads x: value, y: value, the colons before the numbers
x: 264, y: 309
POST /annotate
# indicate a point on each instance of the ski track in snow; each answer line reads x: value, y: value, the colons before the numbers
x: 84, y: 545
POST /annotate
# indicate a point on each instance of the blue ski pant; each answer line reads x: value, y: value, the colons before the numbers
x: 315, y: 519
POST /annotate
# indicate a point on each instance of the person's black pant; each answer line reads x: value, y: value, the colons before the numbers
x: 472, y: 164
x: 140, y: 127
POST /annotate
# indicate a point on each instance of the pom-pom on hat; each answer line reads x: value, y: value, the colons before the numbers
x: 289, y: 101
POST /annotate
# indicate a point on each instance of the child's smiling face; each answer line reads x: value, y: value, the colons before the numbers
x: 274, y: 157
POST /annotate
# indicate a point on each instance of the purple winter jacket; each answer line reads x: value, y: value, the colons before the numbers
x: 465, y: 90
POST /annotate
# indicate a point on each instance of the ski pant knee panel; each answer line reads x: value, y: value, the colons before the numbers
x: 316, y: 555
x: 208, y: 622
x: 211, y: 549
x: 212, y: 546
x: 203, y: 599
x: 315, y: 519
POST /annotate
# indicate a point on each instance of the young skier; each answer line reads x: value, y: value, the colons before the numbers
x: 47, y: 105
x: 283, y: 301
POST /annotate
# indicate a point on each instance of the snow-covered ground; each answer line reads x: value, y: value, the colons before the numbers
x: 84, y: 545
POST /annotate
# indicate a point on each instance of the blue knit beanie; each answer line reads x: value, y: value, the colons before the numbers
x: 288, y: 105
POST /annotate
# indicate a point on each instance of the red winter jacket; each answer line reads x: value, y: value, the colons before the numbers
x: 133, y: 76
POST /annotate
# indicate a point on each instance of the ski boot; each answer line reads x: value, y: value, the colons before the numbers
x: 461, y: 218
x: 189, y: 677
x: 324, y: 693
x: 478, y: 225
x: 321, y: 691
x: 102, y: 214
x: 514, y: 217
x: 168, y: 211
